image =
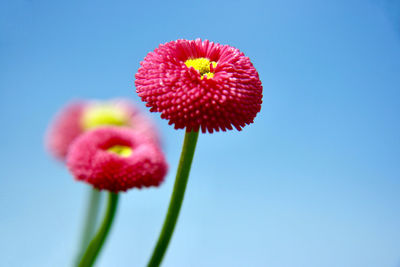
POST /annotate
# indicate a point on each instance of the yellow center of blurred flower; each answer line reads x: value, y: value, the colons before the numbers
x: 103, y: 114
x: 202, y: 65
x: 123, y: 151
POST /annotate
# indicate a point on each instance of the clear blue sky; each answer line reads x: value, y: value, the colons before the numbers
x: 314, y: 182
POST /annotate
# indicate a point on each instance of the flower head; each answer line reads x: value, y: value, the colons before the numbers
x: 81, y: 116
x: 200, y: 84
x: 116, y: 159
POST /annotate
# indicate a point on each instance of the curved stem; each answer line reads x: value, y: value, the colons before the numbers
x: 90, y: 220
x: 92, y: 251
x: 182, y: 175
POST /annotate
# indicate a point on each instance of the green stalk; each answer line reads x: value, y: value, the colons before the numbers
x: 92, y: 251
x: 90, y: 220
x: 182, y: 175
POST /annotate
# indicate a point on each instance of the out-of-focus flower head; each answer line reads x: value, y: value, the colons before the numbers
x: 81, y: 116
x: 200, y: 84
x: 116, y: 159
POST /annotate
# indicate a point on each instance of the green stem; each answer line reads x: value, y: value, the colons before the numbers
x: 182, y: 175
x: 90, y: 220
x: 92, y: 251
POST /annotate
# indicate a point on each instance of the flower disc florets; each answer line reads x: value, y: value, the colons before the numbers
x: 116, y: 159
x: 81, y: 116
x: 200, y: 84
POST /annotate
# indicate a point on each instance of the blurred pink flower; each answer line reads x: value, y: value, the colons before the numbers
x: 200, y: 84
x: 116, y: 159
x: 80, y: 116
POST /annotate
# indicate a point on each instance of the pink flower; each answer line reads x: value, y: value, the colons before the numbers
x: 116, y: 159
x: 200, y: 84
x: 81, y: 116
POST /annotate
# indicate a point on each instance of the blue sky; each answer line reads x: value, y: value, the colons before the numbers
x: 313, y: 182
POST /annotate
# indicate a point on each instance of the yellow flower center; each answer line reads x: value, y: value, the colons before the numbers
x: 122, y: 151
x: 202, y: 65
x: 103, y: 114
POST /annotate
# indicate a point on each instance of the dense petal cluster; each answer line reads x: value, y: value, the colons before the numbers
x: 200, y: 85
x: 81, y: 116
x: 116, y: 159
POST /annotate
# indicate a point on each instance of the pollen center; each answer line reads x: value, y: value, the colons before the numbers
x: 202, y: 65
x: 103, y: 114
x: 122, y: 151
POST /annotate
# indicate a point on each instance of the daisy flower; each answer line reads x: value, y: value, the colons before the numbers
x: 200, y: 85
x: 81, y: 116
x: 116, y: 159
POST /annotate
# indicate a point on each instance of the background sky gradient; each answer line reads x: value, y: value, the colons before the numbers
x: 314, y: 182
